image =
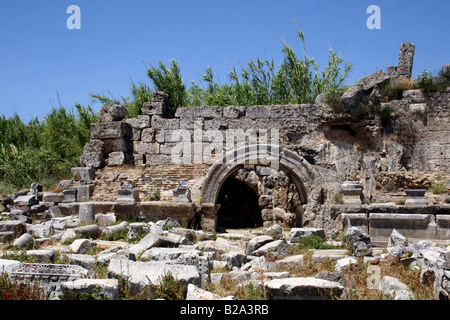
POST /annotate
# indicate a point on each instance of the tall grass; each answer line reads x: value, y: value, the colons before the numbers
x: 42, y: 151
x: 297, y: 80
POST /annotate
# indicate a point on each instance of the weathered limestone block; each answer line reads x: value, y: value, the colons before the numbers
x: 42, y: 255
x: 70, y: 195
x: 234, y: 258
x: 159, y: 123
x: 358, y: 241
x: 414, y: 95
x: 233, y: 112
x: 146, y: 148
x: 104, y: 257
x: 405, y: 60
x: 345, y: 264
x: 94, y: 146
x: 141, y: 274
x: 209, y: 112
x: 86, y: 213
x: 397, y: 239
x: 137, y: 125
x: 277, y: 248
x: 196, y: 293
x: 148, y: 135
x: 204, y: 112
x: 93, y: 159
x: 395, y: 288
x: 139, y: 159
x: 52, y: 197
x: 418, y: 108
x: 106, y: 288
x: 112, y: 112
x: 105, y: 220
x: 82, y: 246
x: 187, y: 233
x: 257, y: 112
x: 411, y: 225
x: 299, y: 288
x: 27, y: 200
x: 159, y: 105
x: 257, y: 242
x: 184, y: 256
x: 296, y: 233
x: 15, y: 226
x: 352, y: 192
x: 274, y: 231
x: 353, y: 96
x: 84, y: 175
x: 7, y: 265
x: 141, y: 122
x: 378, y: 78
x: 23, y: 241
x: 119, y: 158
x: 84, y: 192
x: 110, y: 130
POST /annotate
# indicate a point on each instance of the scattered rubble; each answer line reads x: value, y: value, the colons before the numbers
x: 196, y: 261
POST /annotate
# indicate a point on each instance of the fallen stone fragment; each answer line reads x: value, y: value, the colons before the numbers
x: 296, y: 233
x: 82, y: 246
x: 104, y: 257
x: 42, y: 255
x: 397, y: 238
x: 196, y: 293
x: 142, y: 274
x: 84, y: 260
x: 23, y: 241
x: 277, y: 248
x: 105, y: 288
x: 395, y: 288
x: 358, y: 241
x: 257, y: 242
x: 299, y: 288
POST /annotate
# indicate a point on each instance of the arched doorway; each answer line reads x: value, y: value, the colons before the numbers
x: 299, y: 171
x: 238, y: 206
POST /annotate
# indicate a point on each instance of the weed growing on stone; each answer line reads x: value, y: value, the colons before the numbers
x: 438, y: 188
x: 312, y: 242
x: 169, y: 289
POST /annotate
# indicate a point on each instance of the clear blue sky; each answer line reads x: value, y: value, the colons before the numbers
x: 41, y: 58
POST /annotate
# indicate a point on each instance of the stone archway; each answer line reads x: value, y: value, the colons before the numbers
x: 296, y: 168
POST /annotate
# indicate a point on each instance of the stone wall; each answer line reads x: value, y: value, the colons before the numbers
x: 416, y: 140
x: 337, y: 147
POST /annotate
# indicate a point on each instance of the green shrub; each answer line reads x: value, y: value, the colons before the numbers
x: 438, y: 188
x: 428, y: 83
x: 169, y: 289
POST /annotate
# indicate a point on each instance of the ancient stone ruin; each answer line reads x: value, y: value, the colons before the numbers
x: 301, y: 168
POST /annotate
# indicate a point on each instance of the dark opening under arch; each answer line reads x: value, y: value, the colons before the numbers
x: 238, y: 206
